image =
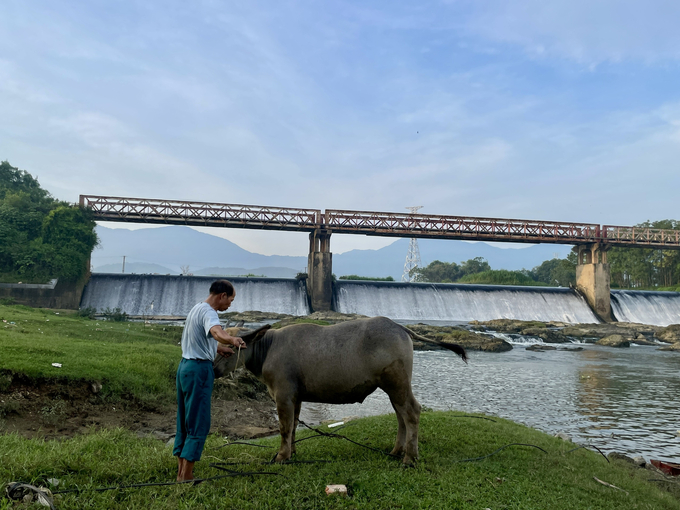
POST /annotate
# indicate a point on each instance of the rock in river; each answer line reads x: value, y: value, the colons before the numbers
x: 614, y: 341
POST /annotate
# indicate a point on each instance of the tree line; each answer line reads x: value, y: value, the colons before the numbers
x: 631, y: 268
x: 41, y: 237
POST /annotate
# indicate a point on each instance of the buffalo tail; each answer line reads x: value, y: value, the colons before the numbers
x: 458, y: 349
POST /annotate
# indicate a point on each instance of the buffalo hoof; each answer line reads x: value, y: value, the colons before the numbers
x: 281, y: 458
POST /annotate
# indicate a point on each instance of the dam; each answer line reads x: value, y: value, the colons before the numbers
x: 173, y: 296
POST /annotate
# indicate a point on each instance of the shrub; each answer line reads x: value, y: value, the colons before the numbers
x: 115, y: 315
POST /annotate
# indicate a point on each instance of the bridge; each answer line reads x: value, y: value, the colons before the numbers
x: 591, y: 241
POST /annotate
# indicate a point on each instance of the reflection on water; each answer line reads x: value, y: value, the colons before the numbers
x: 621, y: 400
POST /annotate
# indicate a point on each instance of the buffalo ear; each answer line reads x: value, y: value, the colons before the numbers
x: 256, y: 334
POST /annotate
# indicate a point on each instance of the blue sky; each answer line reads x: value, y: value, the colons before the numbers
x: 558, y: 110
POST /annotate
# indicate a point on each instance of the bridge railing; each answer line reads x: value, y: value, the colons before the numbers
x: 458, y: 227
x: 640, y: 236
x: 143, y: 210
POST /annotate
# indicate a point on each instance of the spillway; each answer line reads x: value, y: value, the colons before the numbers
x: 461, y: 302
x: 174, y: 296
x: 646, y: 307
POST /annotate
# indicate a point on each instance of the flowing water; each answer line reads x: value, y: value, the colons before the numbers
x: 160, y: 295
x: 461, y: 302
x: 623, y: 400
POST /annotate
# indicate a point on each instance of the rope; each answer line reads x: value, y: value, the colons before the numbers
x: 238, y: 354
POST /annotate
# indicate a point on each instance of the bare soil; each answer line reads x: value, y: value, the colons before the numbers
x: 241, y: 408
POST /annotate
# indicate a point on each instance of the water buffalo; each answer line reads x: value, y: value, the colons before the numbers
x: 338, y: 364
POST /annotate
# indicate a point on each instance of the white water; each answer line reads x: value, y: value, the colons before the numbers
x: 646, y: 307
x: 456, y: 302
x: 159, y: 295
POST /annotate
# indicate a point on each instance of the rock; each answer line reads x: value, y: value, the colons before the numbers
x: 451, y: 334
x: 563, y: 436
x: 621, y: 457
x: 614, y: 341
x: 641, y: 339
x: 550, y: 336
x: 574, y: 349
x: 674, y: 347
x: 669, y: 334
x: 541, y: 347
x: 640, y: 461
x: 96, y: 387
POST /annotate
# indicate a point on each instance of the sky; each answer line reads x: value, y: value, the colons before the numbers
x: 560, y: 110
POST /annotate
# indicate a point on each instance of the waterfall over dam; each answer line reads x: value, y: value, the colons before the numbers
x: 174, y: 296
x: 646, y: 307
x: 461, y: 302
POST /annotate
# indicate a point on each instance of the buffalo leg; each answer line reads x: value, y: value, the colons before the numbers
x: 298, y: 405
x: 400, y: 444
x: 286, y: 410
x: 408, y: 416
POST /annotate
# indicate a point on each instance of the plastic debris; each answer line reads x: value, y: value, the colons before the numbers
x: 58, y: 365
x: 336, y: 489
x: 28, y: 493
x: 337, y: 424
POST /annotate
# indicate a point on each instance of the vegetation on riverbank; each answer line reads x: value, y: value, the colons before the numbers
x: 40, y: 237
x: 454, y: 471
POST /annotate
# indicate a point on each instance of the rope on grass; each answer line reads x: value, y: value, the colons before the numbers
x: 590, y: 446
x: 340, y: 436
x: 195, y: 481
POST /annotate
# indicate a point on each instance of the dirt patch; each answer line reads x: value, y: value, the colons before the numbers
x: 241, y: 408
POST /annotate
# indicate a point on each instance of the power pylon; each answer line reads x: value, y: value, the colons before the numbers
x: 413, y: 256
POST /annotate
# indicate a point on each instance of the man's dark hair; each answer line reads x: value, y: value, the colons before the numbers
x: 220, y: 286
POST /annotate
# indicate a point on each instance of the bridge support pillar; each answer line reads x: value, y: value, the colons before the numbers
x: 593, y: 278
x: 320, y: 270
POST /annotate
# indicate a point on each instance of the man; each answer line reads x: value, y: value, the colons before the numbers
x: 202, y: 339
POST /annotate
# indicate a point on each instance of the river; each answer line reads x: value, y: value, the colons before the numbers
x: 623, y: 400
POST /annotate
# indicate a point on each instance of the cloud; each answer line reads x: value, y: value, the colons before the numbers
x: 584, y: 31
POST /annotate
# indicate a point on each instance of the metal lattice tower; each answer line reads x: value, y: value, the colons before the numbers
x: 413, y: 256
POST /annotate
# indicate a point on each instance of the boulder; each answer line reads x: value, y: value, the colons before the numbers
x: 549, y: 336
x: 673, y: 347
x: 478, y: 342
x: 614, y: 341
x: 451, y: 334
x: 541, y: 347
x: 669, y: 334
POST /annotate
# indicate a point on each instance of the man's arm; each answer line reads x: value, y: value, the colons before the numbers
x: 225, y: 338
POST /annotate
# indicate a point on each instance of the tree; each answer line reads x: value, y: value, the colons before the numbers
x: 40, y: 237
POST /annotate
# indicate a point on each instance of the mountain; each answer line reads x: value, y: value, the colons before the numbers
x: 169, y: 249
x: 177, y: 246
x: 269, y: 272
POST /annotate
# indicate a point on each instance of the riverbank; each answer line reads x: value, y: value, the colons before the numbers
x: 466, y: 462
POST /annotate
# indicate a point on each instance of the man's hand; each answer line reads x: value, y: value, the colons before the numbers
x: 237, y: 341
x: 224, y: 350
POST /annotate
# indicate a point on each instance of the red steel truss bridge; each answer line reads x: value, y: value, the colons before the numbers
x: 206, y: 214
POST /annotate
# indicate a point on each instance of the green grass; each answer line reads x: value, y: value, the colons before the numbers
x: 128, y: 358
x: 518, y: 477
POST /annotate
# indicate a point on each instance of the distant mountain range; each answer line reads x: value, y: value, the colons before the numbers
x: 167, y: 250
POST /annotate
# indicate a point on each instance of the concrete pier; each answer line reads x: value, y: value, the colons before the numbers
x: 320, y: 270
x: 593, y: 278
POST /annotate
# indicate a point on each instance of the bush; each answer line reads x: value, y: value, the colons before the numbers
x: 87, y: 312
x: 115, y: 315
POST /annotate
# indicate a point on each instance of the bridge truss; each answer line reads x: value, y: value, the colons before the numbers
x: 206, y: 214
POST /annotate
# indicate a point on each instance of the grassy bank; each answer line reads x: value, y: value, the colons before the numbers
x: 129, y: 359
x: 518, y: 477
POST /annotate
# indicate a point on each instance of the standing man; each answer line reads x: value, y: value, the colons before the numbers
x: 202, y: 339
